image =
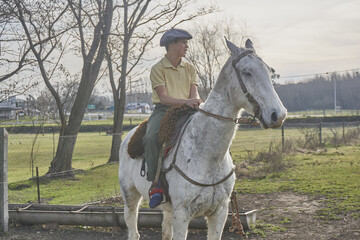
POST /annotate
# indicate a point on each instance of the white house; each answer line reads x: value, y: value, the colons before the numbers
x: 11, y: 107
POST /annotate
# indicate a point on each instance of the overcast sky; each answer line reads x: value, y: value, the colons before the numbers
x: 300, y: 37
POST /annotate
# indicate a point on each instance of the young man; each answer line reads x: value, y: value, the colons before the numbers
x: 174, y: 83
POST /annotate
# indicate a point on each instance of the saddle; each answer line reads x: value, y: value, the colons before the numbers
x: 170, y: 127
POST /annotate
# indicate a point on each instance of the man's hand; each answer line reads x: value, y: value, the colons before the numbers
x: 193, y: 102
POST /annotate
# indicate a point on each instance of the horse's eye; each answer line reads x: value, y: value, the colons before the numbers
x: 246, y: 74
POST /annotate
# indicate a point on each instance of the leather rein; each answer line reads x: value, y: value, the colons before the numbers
x: 257, y: 112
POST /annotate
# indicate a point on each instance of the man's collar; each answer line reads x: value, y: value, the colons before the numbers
x: 167, y: 63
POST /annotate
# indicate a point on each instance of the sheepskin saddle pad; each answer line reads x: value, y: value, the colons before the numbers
x: 170, y: 126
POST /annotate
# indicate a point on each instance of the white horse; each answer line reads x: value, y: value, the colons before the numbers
x: 203, y: 152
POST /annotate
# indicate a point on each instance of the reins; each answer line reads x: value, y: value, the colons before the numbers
x: 234, y: 120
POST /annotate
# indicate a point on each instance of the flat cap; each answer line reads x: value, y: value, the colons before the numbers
x: 173, y: 35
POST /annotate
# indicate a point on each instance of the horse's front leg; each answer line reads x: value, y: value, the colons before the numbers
x: 180, y: 224
x: 131, y: 199
x: 167, y: 227
x: 216, y: 222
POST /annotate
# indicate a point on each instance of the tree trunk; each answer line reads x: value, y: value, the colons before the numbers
x: 119, y: 102
x: 119, y: 109
x: 62, y: 162
x: 92, y: 61
x: 63, y: 158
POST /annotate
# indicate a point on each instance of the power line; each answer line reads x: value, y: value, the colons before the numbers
x: 316, y: 74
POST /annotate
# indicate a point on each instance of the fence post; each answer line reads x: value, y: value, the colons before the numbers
x: 4, y: 209
x: 282, y: 137
x: 343, y: 137
x: 38, y: 184
x: 320, y: 134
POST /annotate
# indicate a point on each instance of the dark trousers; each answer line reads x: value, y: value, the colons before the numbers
x: 151, y: 140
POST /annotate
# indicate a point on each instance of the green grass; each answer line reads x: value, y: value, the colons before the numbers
x: 31, y: 121
x: 333, y: 174
x: 328, y: 112
x: 95, y: 184
x: 91, y: 149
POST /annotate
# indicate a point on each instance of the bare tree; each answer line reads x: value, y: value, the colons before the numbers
x: 208, y: 51
x: 137, y: 23
x: 93, y: 48
x: 15, y: 55
x: 48, y: 29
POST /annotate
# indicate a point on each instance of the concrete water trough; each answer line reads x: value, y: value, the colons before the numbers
x: 32, y: 214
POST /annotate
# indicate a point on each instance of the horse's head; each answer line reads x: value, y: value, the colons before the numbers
x: 253, y: 80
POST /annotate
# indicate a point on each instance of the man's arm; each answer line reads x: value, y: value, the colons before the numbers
x: 170, y: 101
x: 194, y: 91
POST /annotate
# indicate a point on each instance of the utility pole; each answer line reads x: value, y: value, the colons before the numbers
x: 334, y: 79
x: 334, y: 95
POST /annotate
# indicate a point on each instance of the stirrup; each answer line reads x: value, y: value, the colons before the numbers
x: 156, y: 196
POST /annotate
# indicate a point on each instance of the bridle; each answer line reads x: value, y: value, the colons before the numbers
x: 251, y: 99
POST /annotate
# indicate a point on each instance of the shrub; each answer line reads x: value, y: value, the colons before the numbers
x: 264, y: 163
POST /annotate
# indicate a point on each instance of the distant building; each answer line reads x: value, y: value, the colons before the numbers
x: 144, y: 107
x: 11, y: 108
x: 136, y: 103
x: 138, y: 108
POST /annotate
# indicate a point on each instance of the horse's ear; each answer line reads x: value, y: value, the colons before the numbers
x: 233, y: 49
x: 249, y: 44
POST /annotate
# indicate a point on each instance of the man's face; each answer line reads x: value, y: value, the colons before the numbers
x: 180, y: 47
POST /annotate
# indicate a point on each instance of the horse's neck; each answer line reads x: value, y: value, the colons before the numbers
x: 219, y: 102
x: 221, y: 131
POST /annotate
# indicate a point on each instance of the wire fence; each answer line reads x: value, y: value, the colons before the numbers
x: 28, y: 151
x: 321, y: 133
x: 93, y: 178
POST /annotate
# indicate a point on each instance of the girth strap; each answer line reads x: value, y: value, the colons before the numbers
x: 202, y: 184
x: 173, y: 165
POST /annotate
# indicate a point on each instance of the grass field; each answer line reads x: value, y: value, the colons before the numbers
x: 333, y: 172
x: 91, y: 149
x: 107, y: 120
x: 327, y: 112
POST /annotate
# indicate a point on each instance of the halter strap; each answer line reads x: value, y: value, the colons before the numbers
x: 243, y: 54
x: 251, y: 99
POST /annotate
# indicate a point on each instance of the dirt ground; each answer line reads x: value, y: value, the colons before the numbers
x: 281, y: 216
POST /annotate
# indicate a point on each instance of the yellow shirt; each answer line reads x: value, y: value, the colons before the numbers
x: 176, y: 80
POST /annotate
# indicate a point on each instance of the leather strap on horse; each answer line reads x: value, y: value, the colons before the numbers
x: 251, y: 99
x: 173, y: 165
x: 202, y: 184
x: 235, y: 120
x: 158, y: 171
x: 235, y: 217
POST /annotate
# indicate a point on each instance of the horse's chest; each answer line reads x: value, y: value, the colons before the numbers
x: 205, y: 201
